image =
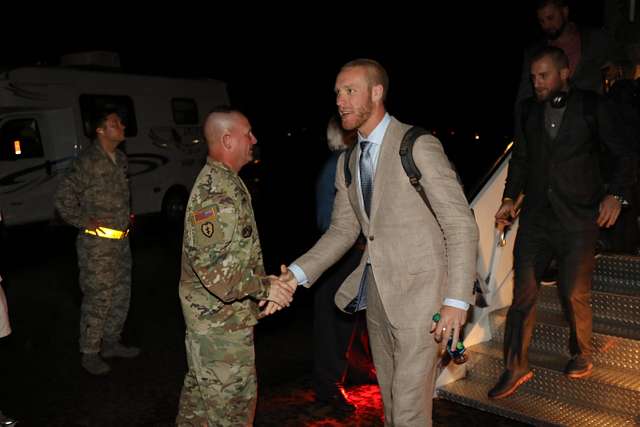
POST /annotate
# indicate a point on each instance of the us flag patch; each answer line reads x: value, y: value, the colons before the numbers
x: 204, y: 214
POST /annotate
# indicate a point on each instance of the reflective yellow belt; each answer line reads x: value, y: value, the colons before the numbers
x: 108, y: 233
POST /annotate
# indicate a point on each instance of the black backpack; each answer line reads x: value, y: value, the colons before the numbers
x: 414, y: 175
x: 408, y: 164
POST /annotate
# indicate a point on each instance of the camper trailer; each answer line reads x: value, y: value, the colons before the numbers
x: 45, y: 120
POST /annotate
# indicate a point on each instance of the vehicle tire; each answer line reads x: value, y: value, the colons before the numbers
x: 174, y: 204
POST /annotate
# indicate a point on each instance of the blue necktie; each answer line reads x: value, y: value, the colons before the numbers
x: 366, y: 174
x: 366, y: 185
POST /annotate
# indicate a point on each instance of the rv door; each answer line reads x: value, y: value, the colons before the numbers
x: 35, y: 147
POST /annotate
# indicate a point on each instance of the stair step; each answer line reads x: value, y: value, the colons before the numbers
x: 529, y: 407
x: 612, y: 310
x: 617, y: 273
x: 551, y: 335
x: 611, y: 390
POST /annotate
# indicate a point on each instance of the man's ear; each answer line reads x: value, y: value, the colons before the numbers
x: 226, y: 141
x: 376, y: 93
x: 564, y: 73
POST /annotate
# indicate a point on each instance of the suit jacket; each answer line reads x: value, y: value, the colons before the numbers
x: 565, y: 172
x: 415, y: 263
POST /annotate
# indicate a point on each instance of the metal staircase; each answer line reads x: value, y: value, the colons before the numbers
x: 609, y: 397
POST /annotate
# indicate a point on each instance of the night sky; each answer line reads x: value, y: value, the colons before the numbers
x: 449, y: 65
x: 452, y: 67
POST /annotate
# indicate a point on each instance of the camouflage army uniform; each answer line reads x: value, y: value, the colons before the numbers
x: 222, y: 276
x: 97, y: 188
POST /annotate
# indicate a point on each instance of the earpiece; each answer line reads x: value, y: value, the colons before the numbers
x: 559, y: 99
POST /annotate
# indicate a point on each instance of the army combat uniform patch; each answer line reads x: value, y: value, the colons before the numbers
x: 207, y: 229
x: 203, y: 215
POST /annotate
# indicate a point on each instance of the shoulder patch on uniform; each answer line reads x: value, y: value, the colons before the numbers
x: 207, y: 229
x: 204, y: 214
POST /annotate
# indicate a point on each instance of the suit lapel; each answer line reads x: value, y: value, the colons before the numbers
x: 355, y: 194
x: 388, y: 154
x: 565, y: 124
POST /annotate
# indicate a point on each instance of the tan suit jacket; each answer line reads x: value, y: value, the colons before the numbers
x: 415, y: 263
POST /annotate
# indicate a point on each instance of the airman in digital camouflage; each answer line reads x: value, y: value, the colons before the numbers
x: 222, y: 282
x: 94, y: 197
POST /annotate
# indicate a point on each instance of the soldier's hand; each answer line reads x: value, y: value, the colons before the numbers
x: 270, y: 308
x: 288, y: 279
x: 95, y: 224
x: 279, y: 293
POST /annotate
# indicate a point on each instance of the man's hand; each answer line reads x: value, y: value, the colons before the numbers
x: 288, y: 279
x: 451, y: 321
x: 609, y: 211
x: 280, y: 296
x: 507, y: 213
x: 95, y: 224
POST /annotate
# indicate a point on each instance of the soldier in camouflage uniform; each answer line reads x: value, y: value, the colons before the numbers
x: 222, y: 281
x: 94, y: 197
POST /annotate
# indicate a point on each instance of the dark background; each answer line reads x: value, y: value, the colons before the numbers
x: 453, y: 68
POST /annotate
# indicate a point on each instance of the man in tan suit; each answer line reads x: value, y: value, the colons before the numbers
x: 414, y: 264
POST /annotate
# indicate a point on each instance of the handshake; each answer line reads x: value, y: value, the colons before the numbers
x: 281, y: 292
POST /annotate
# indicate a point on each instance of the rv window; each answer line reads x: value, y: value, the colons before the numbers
x: 90, y: 105
x: 20, y: 139
x: 185, y: 111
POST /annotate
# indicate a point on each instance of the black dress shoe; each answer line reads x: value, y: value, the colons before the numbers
x: 508, y: 384
x: 578, y: 367
x: 337, y: 402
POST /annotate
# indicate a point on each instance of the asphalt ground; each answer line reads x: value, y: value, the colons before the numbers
x: 43, y: 384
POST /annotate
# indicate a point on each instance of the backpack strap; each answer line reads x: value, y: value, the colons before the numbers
x: 409, y: 165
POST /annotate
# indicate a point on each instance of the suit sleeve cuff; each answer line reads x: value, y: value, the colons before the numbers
x: 456, y: 303
x: 298, y: 274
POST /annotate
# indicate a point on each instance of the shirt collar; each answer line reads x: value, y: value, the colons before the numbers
x: 378, y: 133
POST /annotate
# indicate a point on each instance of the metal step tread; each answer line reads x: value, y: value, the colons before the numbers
x: 486, y: 359
x: 551, y: 335
x: 612, y: 284
x: 612, y: 309
x: 617, y: 273
x: 529, y: 407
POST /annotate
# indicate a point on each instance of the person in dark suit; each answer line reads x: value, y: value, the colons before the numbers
x: 589, y: 51
x: 555, y: 164
x: 414, y: 264
x: 332, y: 329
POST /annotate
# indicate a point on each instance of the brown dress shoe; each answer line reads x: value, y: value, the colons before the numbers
x: 578, y: 367
x: 508, y: 384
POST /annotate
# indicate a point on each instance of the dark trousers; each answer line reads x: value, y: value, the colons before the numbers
x: 536, y: 243
x: 332, y: 329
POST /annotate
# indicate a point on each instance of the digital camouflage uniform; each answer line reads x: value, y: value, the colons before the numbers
x: 97, y: 188
x: 222, y: 277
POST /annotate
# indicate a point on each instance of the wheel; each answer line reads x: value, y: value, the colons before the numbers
x: 174, y: 204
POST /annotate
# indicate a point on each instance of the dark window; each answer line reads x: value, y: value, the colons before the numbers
x: 20, y: 139
x: 185, y: 111
x: 91, y: 105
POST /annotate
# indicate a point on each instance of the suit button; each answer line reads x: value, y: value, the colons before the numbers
x: 371, y: 238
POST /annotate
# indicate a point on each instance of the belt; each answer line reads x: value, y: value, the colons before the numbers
x: 108, y: 233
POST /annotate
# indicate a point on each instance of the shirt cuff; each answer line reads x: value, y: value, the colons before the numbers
x: 456, y: 303
x: 298, y: 274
